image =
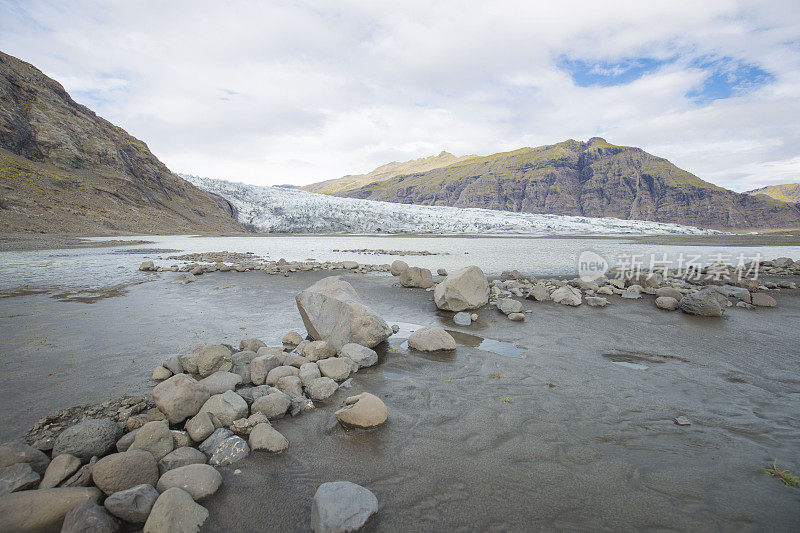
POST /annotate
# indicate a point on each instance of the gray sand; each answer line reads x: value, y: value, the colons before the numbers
x: 596, y: 450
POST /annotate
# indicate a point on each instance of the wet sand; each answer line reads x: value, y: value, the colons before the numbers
x: 580, y: 441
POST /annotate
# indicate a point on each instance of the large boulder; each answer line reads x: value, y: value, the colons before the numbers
x: 360, y: 355
x: 89, y: 517
x: 84, y: 440
x: 279, y: 372
x: 226, y: 407
x: 398, y: 267
x: 15, y: 452
x: 213, y: 358
x: 132, y: 505
x: 431, y: 339
x: 273, y: 405
x: 321, y: 388
x: 42, y: 510
x: 341, y: 506
x: 261, y: 366
x: 155, y: 438
x: 332, y: 311
x: 463, y: 289
x: 336, y: 368
x: 180, y: 397
x: 222, y: 381
x: 316, y: 350
x: 567, y: 295
x: 175, y: 512
x: 416, y: 277
x: 199, y: 480
x: 200, y: 426
x: 265, y: 437
x: 702, y: 303
x: 120, y: 471
x: 60, y: 468
x: 509, y: 305
x: 309, y: 372
x: 18, y: 477
x: 231, y: 450
x: 363, y: 411
x: 179, y: 457
x: 189, y: 361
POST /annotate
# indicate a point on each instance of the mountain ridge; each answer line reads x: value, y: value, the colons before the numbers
x: 63, y: 169
x: 784, y: 192
x: 593, y: 178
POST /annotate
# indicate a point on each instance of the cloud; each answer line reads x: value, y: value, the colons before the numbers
x: 295, y: 92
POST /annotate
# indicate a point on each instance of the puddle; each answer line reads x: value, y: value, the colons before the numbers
x: 637, y: 359
x: 503, y: 348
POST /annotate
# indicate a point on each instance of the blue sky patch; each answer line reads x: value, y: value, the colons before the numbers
x: 609, y: 73
x: 727, y: 77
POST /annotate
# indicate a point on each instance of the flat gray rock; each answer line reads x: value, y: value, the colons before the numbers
x: 199, y: 480
x: 15, y: 452
x: 89, y: 518
x: 341, y: 506
x: 132, y: 505
x: 60, y: 468
x: 18, y: 477
x: 181, y: 457
x: 92, y: 437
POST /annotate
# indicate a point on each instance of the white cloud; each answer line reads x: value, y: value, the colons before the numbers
x: 297, y: 92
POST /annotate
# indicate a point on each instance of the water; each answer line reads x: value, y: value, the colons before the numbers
x: 92, y: 268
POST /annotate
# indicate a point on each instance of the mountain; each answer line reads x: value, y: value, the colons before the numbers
x: 281, y: 210
x: 593, y: 179
x: 341, y: 186
x: 788, y: 192
x: 63, y: 169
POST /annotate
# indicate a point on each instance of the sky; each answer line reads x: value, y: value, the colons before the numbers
x: 293, y: 92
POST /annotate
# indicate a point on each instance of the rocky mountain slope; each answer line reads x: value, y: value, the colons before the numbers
x: 593, y: 179
x: 343, y: 185
x: 63, y: 169
x: 787, y: 192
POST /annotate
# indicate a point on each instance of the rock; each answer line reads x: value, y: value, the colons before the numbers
x: 88, y: 438
x: 251, y: 345
x: 429, y: 339
x: 273, y: 405
x: 199, y: 480
x: 180, y: 397
x: 321, y: 388
x: 332, y: 311
x: 200, y: 427
x: 60, y: 468
x: 398, y: 267
x: 180, y: 439
x: 516, y: 317
x: 336, y: 368
x: 309, y: 372
x: 292, y: 338
x: 349, y: 265
x: 671, y: 292
x: 745, y: 305
x: 316, y: 350
x: 441, y: 272
x: 132, y: 505
x: 300, y: 405
x: 15, y: 452
x: 360, y: 355
x: 761, y: 299
x: 667, y: 303
x: 231, y: 450
x: 123, y: 470
x: 175, y: 512
x: 18, y: 477
x: 461, y: 290
x: 173, y: 364
x: 160, y: 374
x: 567, y: 295
x: 682, y: 421
x: 83, y: 477
x: 596, y: 301
x: 213, y: 358
x: 226, y: 407
x: 605, y: 290
x: 261, y: 366
x: 364, y: 411
x: 631, y: 294
x: 155, y: 438
x: 184, y: 279
x: 341, y: 506
x: 701, y: 304
x: 462, y: 319
x: 147, y: 266
x: 181, y: 457
x: 251, y: 394
x: 42, y: 510
x: 240, y: 365
x: 539, y: 292
x: 89, y: 518
x: 210, y: 444
x: 244, y: 426
x: 291, y: 385
x: 219, y: 382
x: 416, y: 277
x: 292, y: 359
x: 511, y: 274
x: 265, y: 437
x: 508, y: 306
x: 189, y: 360
x: 277, y: 373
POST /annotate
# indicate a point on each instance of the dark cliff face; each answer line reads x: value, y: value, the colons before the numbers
x: 593, y: 179
x: 64, y: 169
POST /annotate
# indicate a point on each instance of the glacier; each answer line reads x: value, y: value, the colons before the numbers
x: 267, y: 209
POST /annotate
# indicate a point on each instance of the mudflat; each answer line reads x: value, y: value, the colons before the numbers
x: 566, y: 422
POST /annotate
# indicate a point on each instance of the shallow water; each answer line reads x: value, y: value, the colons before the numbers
x: 93, y: 268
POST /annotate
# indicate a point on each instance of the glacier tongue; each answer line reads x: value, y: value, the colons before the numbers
x: 283, y: 210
